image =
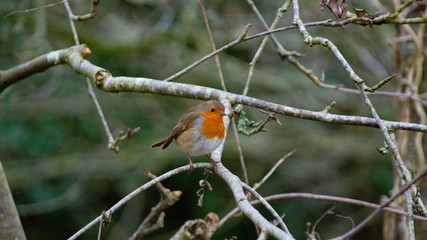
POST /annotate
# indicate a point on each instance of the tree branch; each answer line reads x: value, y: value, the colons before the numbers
x: 137, y: 191
x: 154, y: 220
x: 106, y: 82
x: 198, y: 228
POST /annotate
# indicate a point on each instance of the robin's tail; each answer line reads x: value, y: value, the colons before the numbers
x: 164, y: 142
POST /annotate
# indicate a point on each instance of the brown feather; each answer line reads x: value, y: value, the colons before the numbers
x: 159, y: 143
x: 185, y: 122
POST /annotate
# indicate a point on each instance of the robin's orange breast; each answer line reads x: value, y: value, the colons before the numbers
x: 212, y: 126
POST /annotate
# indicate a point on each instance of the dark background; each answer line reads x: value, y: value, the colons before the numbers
x: 54, y: 148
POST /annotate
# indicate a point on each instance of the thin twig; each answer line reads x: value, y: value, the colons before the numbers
x: 321, y: 218
x: 381, y: 83
x: 90, y: 89
x: 121, y: 137
x: 229, y: 45
x: 282, y: 51
x: 36, y: 8
x: 264, y: 179
x: 279, y: 15
x: 239, y: 149
x: 92, y: 13
x: 218, y: 65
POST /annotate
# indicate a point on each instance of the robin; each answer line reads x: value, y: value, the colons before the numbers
x: 199, y: 131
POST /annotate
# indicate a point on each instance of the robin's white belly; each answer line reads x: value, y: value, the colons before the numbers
x: 195, y: 144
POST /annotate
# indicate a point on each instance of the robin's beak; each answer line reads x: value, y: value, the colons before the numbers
x: 223, y: 114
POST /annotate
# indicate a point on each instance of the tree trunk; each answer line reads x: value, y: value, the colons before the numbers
x: 10, y: 224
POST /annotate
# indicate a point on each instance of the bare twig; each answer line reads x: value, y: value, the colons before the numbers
x: 155, y: 220
x: 73, y: 27
x: 129, y: 134
x: 231, y: 44
x: 264, y: 179
x: 239, y: 149
x: 279, y: 15
x: 111, y: 143
x: 381, y: 83
x: 36, y: 8
x: 282, y: 52
x: 92, y: 13
x: 218, y: 65
x: 329, y: 107
x: 313, y: 229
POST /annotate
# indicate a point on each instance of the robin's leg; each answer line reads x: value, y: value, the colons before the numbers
x: 211, y: 160
x: 190, y: 163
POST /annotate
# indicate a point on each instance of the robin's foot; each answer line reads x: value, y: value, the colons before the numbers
x: 190, y: 164
x: 211, y: 160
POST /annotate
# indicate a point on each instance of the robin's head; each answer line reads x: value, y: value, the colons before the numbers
x: 212, y: 108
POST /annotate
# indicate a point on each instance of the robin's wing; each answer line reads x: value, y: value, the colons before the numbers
x: 184, y: 123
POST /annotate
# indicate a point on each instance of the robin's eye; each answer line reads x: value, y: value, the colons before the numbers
x: 212, y: 109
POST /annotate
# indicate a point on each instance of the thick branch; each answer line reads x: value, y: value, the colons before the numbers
x: 146, y: 85
x: 242, y: 202
x: 106, y: 82
x: 39, y: 64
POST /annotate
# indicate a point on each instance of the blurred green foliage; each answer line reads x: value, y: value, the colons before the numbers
x: 54, y: 148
